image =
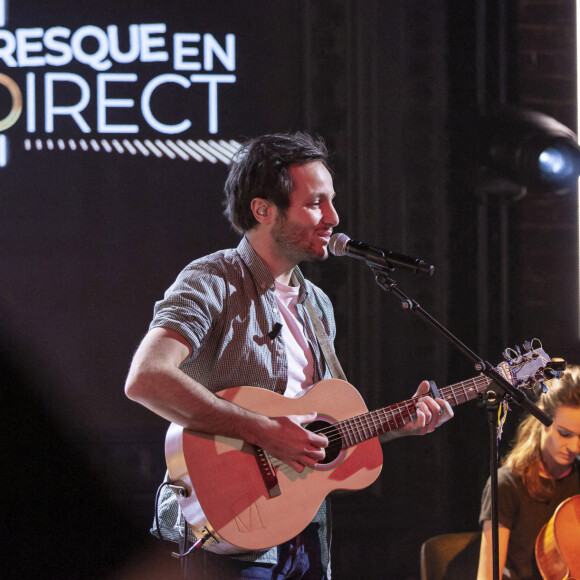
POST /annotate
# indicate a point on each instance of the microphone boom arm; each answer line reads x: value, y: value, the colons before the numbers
x: 481, y: 366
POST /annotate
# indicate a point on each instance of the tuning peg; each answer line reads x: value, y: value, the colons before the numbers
x: 518, y: 349
x: 527, y: 345
x: 508, y: 355
x: 549, y: 373
x: 540, y: 388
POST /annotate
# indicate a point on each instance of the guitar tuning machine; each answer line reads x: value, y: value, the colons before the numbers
x: 530, y: 347
x: 533, y: 346
x: 512, y: 355
x: 538, y: 389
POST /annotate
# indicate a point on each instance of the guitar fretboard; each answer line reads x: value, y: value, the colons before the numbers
x: 362, y: 427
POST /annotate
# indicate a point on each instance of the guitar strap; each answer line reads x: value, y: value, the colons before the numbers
x: 325, y: 346
x: 324, y: 514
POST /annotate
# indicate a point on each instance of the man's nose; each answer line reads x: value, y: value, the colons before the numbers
x: 331, y: 216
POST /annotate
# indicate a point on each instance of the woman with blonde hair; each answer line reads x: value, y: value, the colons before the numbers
x: 540, y: 471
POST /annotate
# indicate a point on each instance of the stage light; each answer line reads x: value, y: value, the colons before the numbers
x: 531, y: 149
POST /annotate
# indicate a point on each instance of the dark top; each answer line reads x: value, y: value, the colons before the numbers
x: 525, y: 518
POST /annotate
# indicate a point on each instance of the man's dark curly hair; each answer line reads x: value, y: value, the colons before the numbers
x: 261, y: 168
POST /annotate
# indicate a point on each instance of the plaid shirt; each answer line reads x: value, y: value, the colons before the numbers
x: 224, y: 305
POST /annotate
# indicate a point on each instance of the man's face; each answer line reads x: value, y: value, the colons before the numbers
x: 303, y: 231
x: 561, y: 441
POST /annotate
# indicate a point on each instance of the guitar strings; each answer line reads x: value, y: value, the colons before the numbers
x: 366, y: 420
x: 360, y: 424
x: 400, y: 410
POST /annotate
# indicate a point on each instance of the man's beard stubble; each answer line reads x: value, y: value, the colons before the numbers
x: 290, y: 243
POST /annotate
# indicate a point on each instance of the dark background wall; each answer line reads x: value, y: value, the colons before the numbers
x: 91, y: 239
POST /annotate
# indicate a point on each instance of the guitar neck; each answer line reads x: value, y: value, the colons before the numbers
x: 368, y: 425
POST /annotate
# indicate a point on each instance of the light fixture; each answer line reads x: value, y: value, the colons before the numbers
x: 532, y: 149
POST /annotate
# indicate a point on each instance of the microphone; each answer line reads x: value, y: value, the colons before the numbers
x: 342, y: 245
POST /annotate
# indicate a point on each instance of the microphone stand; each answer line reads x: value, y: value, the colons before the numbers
x: 493, y: 398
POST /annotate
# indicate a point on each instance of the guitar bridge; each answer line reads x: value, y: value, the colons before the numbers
x: 267, y: 471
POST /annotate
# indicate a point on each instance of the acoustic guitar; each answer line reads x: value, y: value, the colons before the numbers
x: 237, y: 498
x: 558, y: 543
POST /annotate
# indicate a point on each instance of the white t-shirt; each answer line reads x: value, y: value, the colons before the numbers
x: 300, y: 360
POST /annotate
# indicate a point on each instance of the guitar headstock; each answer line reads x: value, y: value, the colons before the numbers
x: 526, y: 366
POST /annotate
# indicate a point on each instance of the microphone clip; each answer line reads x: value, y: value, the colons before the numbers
x: 275, y: 331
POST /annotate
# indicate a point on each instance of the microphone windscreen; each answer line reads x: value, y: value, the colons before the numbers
x: 337, y: 244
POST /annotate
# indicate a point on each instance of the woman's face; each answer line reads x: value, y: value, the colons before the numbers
x: 560, y: 442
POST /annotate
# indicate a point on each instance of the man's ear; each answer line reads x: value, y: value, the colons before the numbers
x: 260, y: 209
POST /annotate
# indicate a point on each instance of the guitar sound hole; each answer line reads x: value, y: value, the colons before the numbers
x: 334, y: 439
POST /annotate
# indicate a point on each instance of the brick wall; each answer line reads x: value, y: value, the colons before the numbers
x: 545, y: 228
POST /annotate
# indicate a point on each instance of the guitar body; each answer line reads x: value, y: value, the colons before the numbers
x: 558, y: 543
x: 225, y: 491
